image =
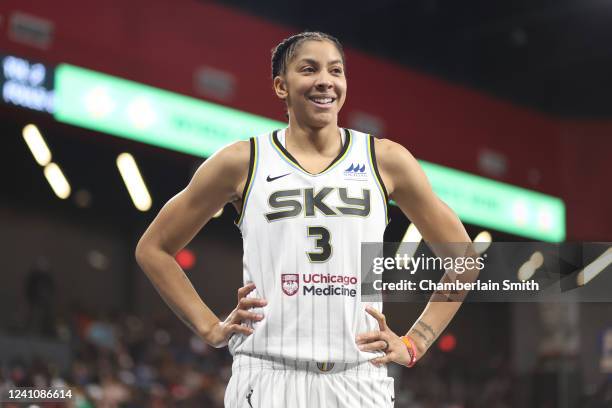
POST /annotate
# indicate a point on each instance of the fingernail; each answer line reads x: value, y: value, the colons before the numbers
x: 360, y: 347
x: 260, y: 316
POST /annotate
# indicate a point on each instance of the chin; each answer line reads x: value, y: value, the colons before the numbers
x: 323, y: 119
x: 319, y: 124
x: 315, y: 119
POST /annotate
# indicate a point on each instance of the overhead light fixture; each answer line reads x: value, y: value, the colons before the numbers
x: 412, y: 234
x: 37, y: 145
x: 482, y: 242
x: 57, y: 180
x: 413, y: 238
x: 529, y: 268
x: 133, y: 181
x: 594, y: 268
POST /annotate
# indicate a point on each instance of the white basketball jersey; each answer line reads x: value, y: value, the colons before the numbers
x: 302, y: 236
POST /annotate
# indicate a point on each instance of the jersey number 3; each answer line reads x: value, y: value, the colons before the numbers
x: 322, y: 236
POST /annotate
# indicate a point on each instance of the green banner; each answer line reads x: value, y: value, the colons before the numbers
x: 161, y: 118
x: 149, y: 115
x: 504, y: 207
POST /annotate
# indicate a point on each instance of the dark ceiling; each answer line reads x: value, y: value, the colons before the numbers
x: 551, y: 55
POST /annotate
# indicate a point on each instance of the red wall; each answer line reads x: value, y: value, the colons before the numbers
x: 586, y: 172
x: 161, y: 43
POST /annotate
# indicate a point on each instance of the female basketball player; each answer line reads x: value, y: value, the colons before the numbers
x: 307, y: 195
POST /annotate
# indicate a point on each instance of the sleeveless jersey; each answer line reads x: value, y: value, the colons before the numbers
x: 302, y: 236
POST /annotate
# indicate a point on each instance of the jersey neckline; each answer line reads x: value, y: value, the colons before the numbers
x: 284, y: 153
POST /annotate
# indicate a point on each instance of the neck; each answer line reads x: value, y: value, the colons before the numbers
x: 322, y: 140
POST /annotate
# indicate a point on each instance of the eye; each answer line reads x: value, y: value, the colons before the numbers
x: 308, y: 68
x: 337, y: 71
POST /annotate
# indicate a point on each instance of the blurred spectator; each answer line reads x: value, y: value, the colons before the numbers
x: 122, y: 360
x: 40, y: 296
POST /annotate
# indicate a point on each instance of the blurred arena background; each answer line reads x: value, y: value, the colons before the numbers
x: 107, y: 108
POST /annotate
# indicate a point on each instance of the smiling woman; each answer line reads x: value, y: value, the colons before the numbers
x: 308, y: 196
x: 308, y: 74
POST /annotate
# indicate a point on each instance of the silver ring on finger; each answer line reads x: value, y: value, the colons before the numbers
x: 386, y: 345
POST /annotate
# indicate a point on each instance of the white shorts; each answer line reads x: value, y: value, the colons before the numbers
x: 265, y: 382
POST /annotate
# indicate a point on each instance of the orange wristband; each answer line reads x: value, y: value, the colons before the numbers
x: 411, y: 349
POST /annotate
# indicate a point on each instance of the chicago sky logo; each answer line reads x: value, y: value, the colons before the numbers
x: 355, y: 168
x: 355, y: 172
x: 290, y: 282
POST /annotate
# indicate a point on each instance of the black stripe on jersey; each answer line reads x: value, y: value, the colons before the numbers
x: 248, y: 180
x: 380, y: 180
x: 347, y: 140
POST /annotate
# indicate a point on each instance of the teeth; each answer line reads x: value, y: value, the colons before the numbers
x: 322, y: 100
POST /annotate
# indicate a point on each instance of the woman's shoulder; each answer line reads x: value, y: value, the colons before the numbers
x: 236, y: 152
x: 232, y: 159
x: 396, y: 163
x: 388, y: 150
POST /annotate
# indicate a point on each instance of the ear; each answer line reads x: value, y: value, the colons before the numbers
x: 280, y: 87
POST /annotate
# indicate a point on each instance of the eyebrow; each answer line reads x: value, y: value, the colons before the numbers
x: 314, y: 62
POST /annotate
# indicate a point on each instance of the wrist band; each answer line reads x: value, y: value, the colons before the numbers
x: 411, y: 349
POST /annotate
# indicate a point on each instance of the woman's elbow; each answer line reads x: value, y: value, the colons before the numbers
x: 141, y: 252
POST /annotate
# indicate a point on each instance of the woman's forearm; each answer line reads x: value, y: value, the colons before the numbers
x: 441, y: 309
x: 431, y: 323
x: 174, y: 287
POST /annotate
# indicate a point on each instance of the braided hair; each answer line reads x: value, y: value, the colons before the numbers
x: 285, y: 51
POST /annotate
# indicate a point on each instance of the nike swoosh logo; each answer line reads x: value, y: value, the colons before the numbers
x: 277, y: 177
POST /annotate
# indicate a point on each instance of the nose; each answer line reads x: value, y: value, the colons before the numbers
x: 323, y: 81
